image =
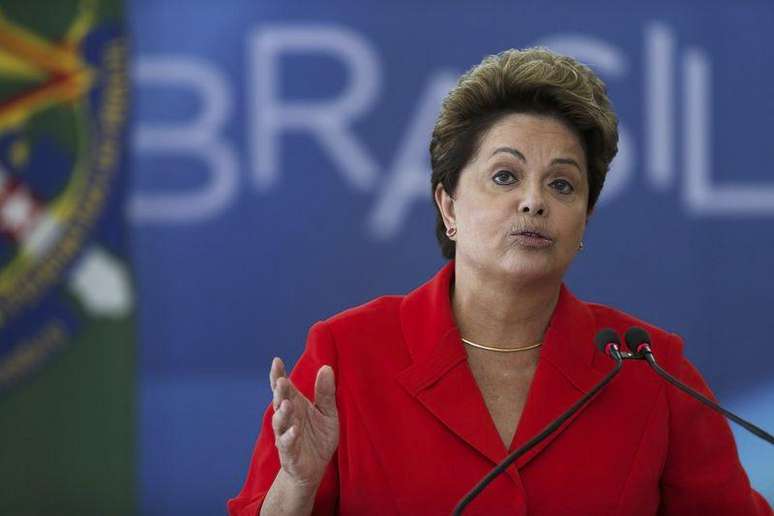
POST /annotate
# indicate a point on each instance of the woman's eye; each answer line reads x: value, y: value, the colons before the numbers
x: 563, y: 186
x: 503, y: 177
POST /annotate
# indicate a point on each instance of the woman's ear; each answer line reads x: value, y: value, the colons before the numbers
x: 445, y: 203
x: 589, y: 213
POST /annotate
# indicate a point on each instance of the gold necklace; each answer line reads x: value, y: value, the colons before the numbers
x: 501, y: 350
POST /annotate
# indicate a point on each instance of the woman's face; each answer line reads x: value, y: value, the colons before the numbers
x: 520, y: 204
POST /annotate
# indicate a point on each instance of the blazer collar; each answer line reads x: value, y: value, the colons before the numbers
x: 440, y: 379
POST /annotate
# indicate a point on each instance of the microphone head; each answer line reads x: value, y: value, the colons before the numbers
x: 635, y: 336
x: 606, y: 336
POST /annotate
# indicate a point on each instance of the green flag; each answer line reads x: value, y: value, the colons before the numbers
x: 67, y: 356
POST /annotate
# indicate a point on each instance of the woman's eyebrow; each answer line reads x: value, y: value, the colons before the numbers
x: 555, y: 161
x: 510, y: 150
x: 566, y: 161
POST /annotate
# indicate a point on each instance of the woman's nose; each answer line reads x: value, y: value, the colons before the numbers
x: 533, y: 203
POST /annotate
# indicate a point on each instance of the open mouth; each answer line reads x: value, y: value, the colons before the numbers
x: 533, y: 238
x: 533, y: 234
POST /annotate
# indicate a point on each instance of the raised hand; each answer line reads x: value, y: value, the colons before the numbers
x: 305, y: 433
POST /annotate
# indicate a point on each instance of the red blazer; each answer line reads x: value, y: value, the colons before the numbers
x: 416, y: 435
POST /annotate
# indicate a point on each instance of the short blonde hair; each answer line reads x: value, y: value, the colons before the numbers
x: 534, y: 80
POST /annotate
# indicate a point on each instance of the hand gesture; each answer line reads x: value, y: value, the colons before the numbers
x: 306, y: 434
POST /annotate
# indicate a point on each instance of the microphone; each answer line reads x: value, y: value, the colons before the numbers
x: 638, y: 341
x: 607, y: 341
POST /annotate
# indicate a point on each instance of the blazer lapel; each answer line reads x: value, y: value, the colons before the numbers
x: 439, y: 377
x: 569, y: 367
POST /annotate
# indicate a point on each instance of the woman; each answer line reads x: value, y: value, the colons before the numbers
x: 401, y: 405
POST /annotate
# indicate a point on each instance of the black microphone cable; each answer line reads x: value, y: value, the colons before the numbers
x: 608, y: 342
x: 638, y: 341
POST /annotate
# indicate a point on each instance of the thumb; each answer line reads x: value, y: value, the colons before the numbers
x: 325, y: 391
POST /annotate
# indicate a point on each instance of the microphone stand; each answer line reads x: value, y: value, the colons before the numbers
x: 646, y: 352
x: 612, y: 350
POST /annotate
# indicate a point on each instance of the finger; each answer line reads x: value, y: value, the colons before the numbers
x: 282, y: 418
x: 277, y: 370
x: 285, y: 391
x: 285, y: 442
x: 280, y: 392
x: 325, y: 391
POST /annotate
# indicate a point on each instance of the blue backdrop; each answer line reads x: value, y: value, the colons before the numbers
x: 281, y: 174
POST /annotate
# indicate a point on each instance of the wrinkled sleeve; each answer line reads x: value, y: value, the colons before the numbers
x: 702, y: 473
x: 320, y: 350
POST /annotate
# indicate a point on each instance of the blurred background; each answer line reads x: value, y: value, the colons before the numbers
x: 186, y: 186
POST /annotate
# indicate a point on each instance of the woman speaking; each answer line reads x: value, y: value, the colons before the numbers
x: 401, y: 405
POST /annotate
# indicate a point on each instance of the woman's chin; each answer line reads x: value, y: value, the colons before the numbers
x: 524, y: 266
x: 530, y: 268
